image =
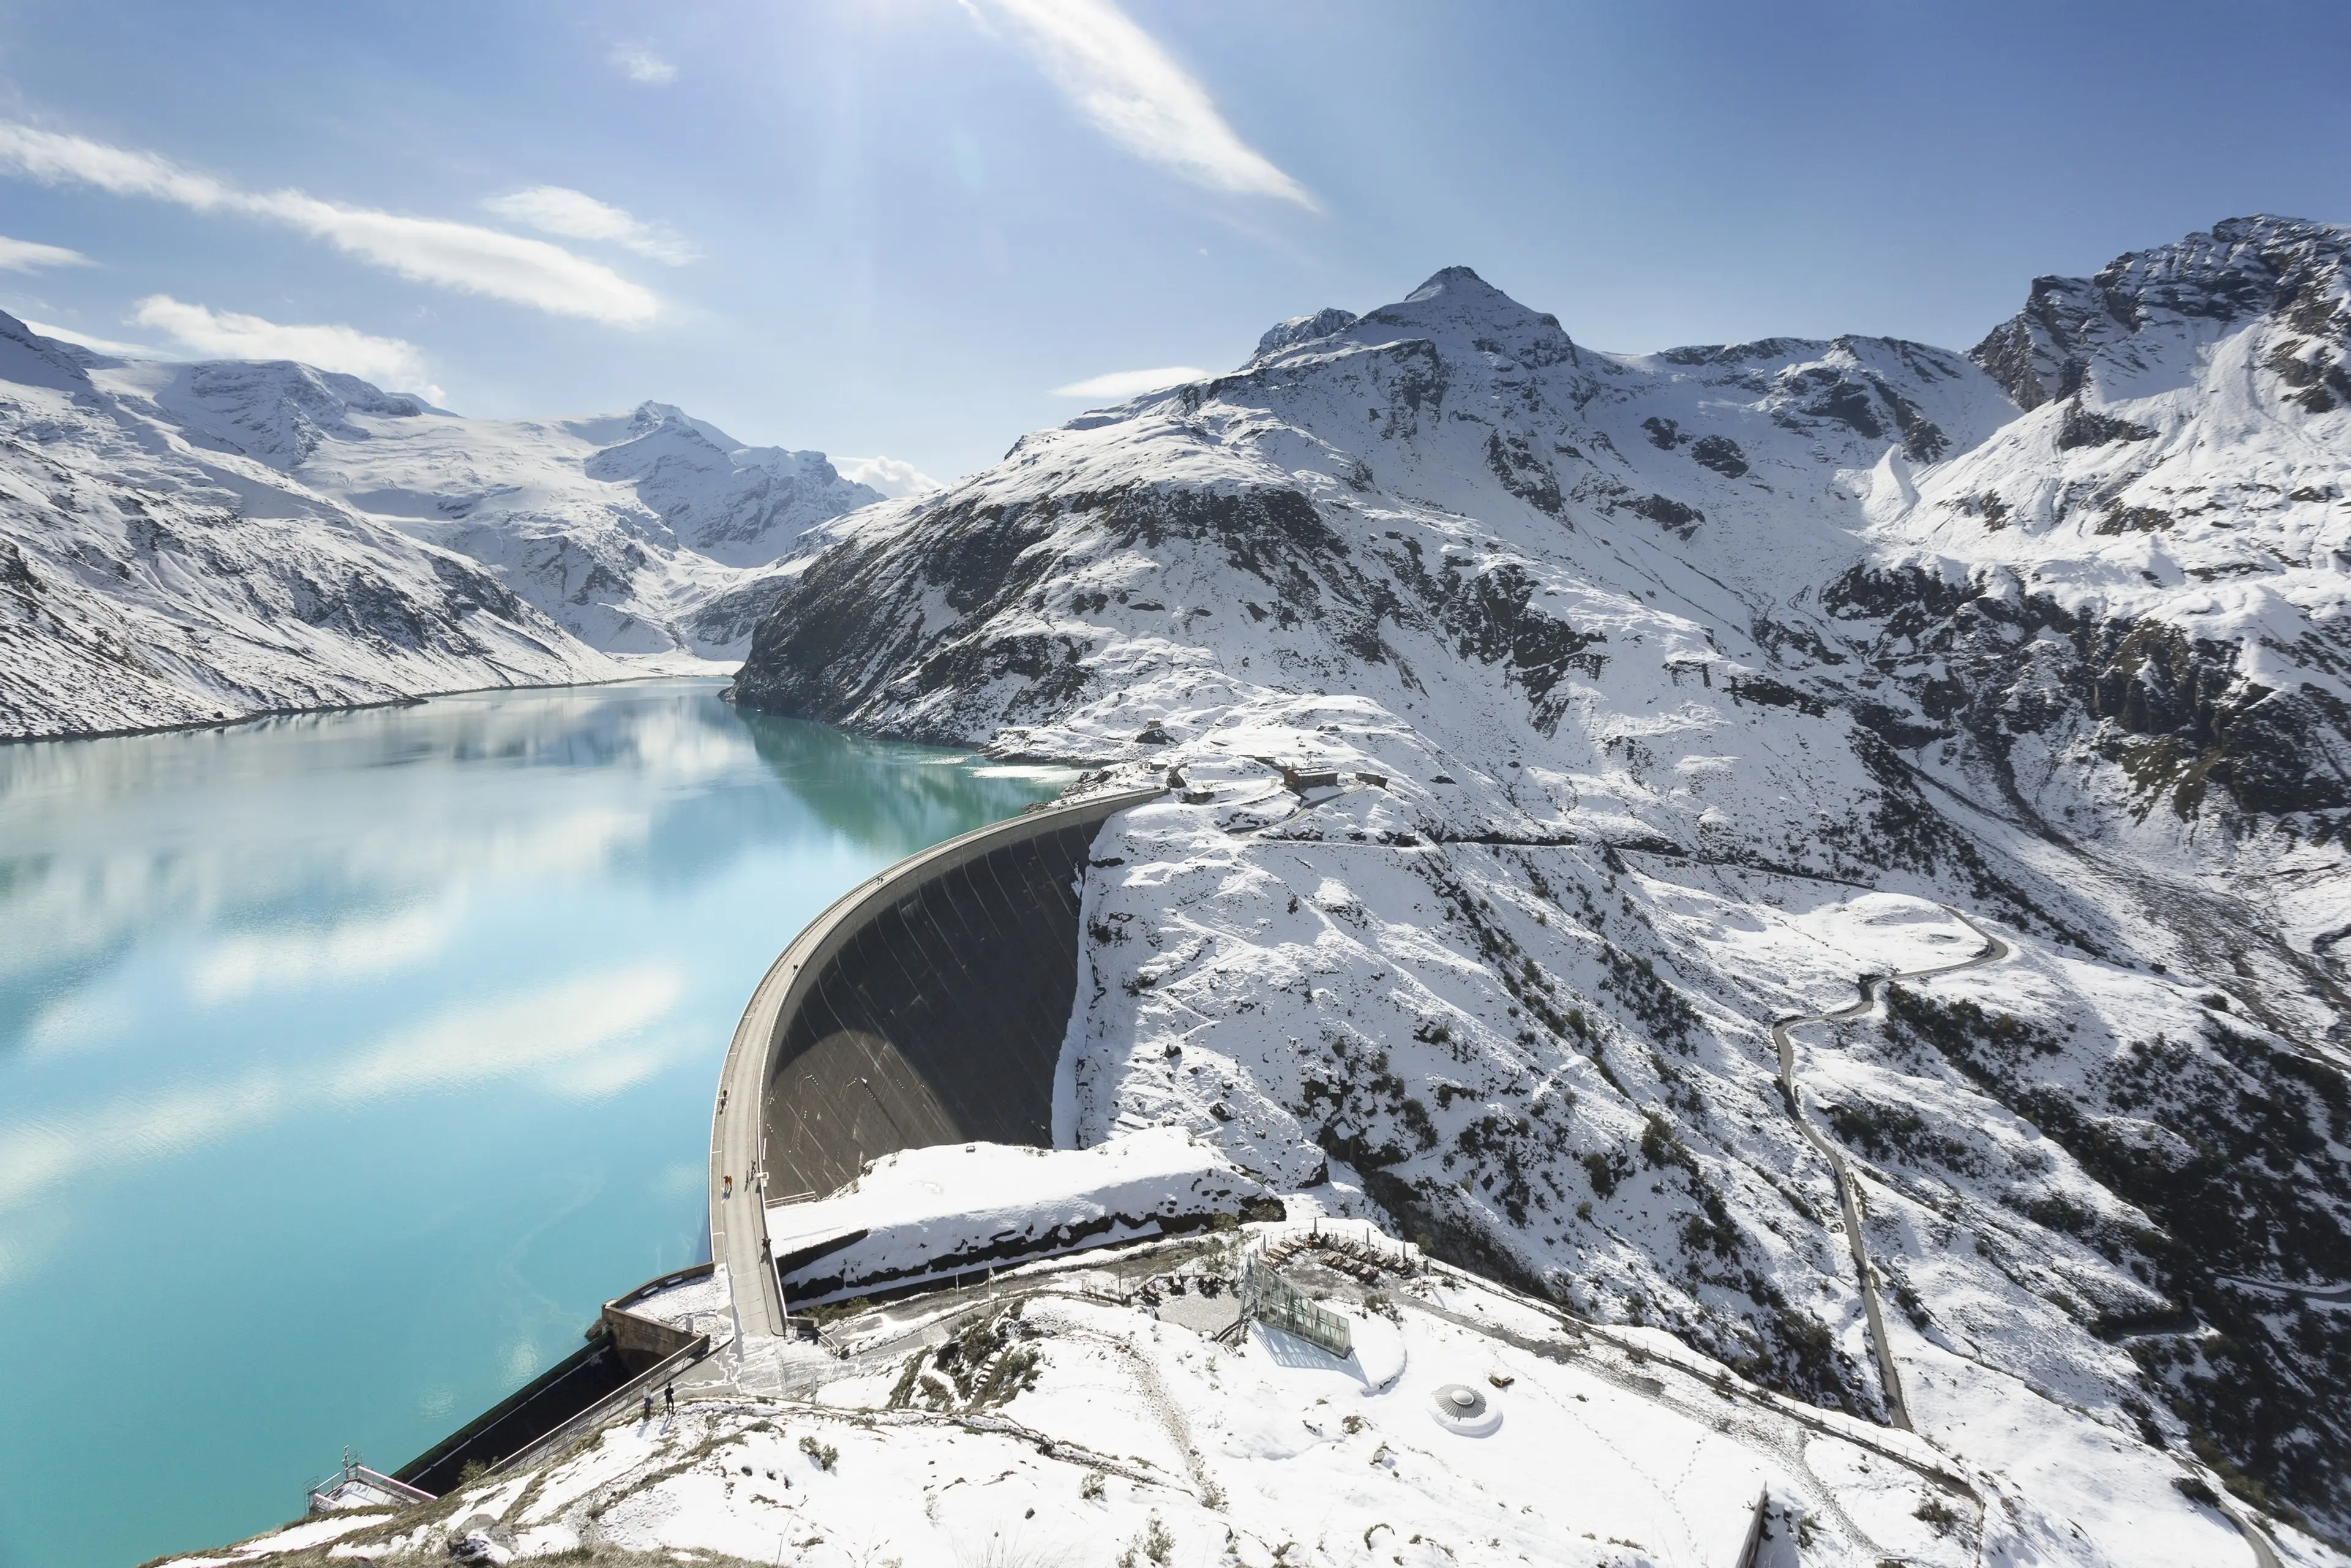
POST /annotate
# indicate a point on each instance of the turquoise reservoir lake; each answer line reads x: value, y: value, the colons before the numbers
x: 348, y: 1061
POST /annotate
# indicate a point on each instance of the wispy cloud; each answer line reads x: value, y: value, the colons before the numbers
x: 585, y: 1037
x: 393, y: 363
x: 642, y: 65
x: 893, y: 476
x: 1133, y: 90
x: 577, y: 215
x: 463, y: 257
x: 284, y: 959
x: 572, y: 1026
x: 1131, y: 383
x: 88, y: 340
x: 31, y: 255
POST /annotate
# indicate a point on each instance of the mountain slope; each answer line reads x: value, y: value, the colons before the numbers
x: 145, y: 581
x: 1076, y: 1411
x: 622, y: 528
x: 183, y: 543
x: 1549, y: 722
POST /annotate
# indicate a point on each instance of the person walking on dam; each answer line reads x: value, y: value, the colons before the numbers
x: 669, y: 1397
x: 649, y: 1405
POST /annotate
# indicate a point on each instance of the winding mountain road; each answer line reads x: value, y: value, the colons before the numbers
x: 1848, y: 1192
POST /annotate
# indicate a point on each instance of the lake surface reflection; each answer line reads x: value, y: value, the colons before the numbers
x: 347, y: 1061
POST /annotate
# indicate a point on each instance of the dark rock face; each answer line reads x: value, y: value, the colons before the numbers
x: 1864, y: 404
x: 2290, y: 271
x: 2174, y: 713
x: 816, y: 654
x: 2082, y: 428
x: 1304, y: 329
x: 1720, y: 454
x: 1522, y: 473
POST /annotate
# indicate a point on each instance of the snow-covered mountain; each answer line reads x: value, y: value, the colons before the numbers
x: 182, y: 542
x: 1549, y: 722
x: 146, y: 579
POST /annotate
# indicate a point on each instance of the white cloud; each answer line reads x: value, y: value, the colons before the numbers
x: 391, y: 362
x: 103, y: 345
x: 31, y: 255
x: 284, y: 959
x: 1131, y: 383
x: 584, y: 1037
x: 642, y: 65
x: 893, y: 476
x: 1133, y: 90
x: 574, y: 214
x: 569, y: 1026
x: 471, y: 259
x: 36, y: 1156
x: 56, y: 160
x: 462, y: 256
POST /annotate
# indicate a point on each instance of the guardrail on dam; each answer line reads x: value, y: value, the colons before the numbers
x: 927, y: 1006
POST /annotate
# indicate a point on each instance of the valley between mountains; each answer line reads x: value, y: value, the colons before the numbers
x: 1543, y: 725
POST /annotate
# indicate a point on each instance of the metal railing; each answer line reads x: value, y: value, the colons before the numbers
x: 325, y: 1496
x: 635, y: 1389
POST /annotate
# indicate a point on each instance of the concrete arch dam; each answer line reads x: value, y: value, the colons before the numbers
x: 937, y: 1018
x: 928, y: 1006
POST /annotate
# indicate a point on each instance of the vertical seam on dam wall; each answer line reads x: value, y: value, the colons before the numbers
x: 935, y: 999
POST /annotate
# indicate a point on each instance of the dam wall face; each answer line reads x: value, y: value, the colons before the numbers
x: 933, y: 1010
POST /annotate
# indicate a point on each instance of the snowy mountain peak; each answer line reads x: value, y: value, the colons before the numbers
x: 2139, y: 324
x: 418, y: 550
x: 649, y: 416
x: 1462, y: 281
x: 1457, y: 306
x: 742, y: 505
x: 1296, y: 330
x: 1521, y: 698
x: 277, y: 411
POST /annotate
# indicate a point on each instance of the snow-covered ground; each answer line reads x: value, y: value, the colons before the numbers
x: 182, y: 543
x: 957, y: 1209
x: 1546, y: 723
x: 1065, y: 1414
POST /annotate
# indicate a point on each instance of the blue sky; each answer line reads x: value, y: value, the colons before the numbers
x: 897, y: 227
